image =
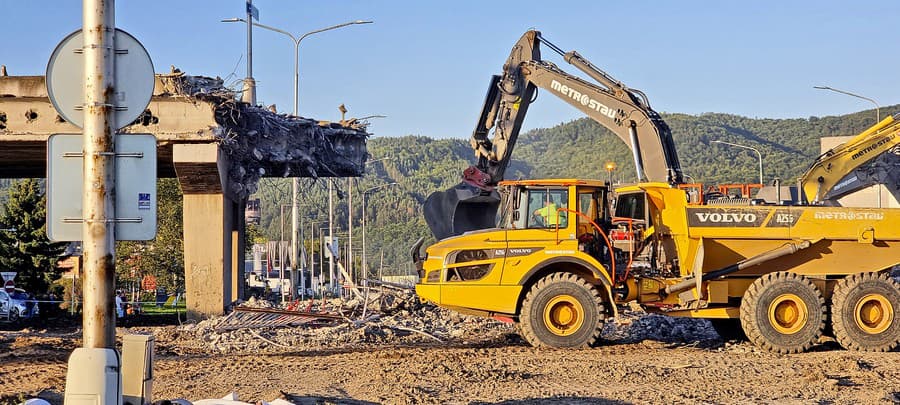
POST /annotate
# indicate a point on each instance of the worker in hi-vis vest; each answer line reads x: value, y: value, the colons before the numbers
x: 549, y: 213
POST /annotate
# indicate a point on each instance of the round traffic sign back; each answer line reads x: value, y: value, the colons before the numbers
x: 133, y: 85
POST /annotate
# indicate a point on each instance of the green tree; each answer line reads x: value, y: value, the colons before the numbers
x: 253, y: 234
x: 162, y: 257
x: 26, y: 249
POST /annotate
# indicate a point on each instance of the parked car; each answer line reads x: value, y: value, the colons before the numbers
x: 17, y: 306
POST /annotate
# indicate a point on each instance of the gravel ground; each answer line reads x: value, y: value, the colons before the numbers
x: 413, y: 353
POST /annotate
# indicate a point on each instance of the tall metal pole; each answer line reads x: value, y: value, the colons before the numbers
x: 249, y: 90
x: 98, y: 232
x: 365, y: 269
x: 300, y: 263
x: 350, y: 229
x: 281, y: 257
x: 295, y: 227
x: 312, y: 251
x: 758, y: 155
x: 331, y: 236
x: 249, y: 38
x: 295, y: 182
x: 877, y: 107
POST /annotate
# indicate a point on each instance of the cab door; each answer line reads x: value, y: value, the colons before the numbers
x: 530, y: 236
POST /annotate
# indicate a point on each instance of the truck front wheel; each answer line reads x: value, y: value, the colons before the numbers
x: 783, y: 313
x: 865, y: 312
x: 562, y: 310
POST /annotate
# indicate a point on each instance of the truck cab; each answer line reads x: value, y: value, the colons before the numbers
x: 543, y: 226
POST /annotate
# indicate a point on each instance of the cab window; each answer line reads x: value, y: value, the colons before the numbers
x: 631, y: 206
x: 544, y: 208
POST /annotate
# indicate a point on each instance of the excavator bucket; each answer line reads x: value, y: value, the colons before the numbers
x: 460, y: 209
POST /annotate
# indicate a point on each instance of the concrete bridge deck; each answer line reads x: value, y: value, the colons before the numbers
x: 216, y: 147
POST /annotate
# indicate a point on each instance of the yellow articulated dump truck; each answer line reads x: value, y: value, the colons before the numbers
x: 780, y: 267
x: 561, y: 260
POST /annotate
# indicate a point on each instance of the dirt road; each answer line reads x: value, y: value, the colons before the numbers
x: 678, y: 362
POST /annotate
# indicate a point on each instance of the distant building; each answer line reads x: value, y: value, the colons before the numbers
x: 72, y: 263
x: 252, y: 212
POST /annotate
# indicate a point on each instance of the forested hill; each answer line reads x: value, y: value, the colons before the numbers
x: 420, y: 165
x: 580, y: 148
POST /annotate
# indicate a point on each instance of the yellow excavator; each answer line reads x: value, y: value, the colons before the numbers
x: 557, y: 258
x: 626, y: 112
x: 872, y: 157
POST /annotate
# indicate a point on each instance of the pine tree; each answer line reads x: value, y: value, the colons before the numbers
x: 24, y: 247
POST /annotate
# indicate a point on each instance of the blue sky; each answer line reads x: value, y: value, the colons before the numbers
x: 426, y: 64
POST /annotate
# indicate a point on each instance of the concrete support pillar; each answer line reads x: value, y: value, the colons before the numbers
x: 207, y: 254
x: 213, y: 231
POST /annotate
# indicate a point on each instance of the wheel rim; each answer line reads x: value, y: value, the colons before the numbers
x: 563, y: 315
x: 788, y: 314
x: 873, y: 313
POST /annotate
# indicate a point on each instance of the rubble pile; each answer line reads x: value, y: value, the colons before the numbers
x: 398, y: 317
x: 261, y: 143
x: 386, y: 316
x: 635, y: 325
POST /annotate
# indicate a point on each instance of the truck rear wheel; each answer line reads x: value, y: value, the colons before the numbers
x: 783, y: 313
x: 865, y: 312
x: 562, y: 310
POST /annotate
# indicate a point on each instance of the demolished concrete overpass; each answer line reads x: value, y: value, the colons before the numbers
x: 218, y: 149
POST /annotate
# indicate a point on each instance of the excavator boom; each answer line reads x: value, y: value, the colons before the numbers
x: 473, y: 203
x: 831, y: 176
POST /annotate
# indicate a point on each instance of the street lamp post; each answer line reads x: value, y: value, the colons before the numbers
x: 367, y: 191
x: 751, y: 148
x: 296, y: 40
x: 312, y: 260
x: 877, y: 107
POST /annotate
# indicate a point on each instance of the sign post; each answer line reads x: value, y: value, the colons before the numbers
x: 8, y: 283
x: 101, y: 80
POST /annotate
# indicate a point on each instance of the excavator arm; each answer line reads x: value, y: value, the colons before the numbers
x: 834, y: 173
x: 473, y: 203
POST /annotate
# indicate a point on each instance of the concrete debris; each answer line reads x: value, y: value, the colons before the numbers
x: 392, y: 316
x: 398, y: 317
x: 260, y: 143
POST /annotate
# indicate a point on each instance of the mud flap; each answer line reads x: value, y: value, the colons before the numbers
x: 460, y: 209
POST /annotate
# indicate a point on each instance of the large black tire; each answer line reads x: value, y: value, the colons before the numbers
x: 865, y: 312
x: 14, y: 315
x: 729, y: 329
x: 562, y: 310
x: 783, y: 313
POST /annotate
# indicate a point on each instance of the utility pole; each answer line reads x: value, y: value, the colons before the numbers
x: 98, y: 231
x: 248, y: 94
x: 330, y: 242
x: 294, y: 231
x: 350, y: 228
